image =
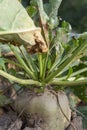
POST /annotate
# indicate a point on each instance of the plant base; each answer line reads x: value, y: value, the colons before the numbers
x: 44, y: 110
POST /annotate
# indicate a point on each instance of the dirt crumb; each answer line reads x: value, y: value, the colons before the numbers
x: 16, y: 125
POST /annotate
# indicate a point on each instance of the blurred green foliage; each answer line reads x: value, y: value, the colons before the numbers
x: 75, y: 12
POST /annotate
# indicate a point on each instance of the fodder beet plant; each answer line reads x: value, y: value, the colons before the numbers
x: 46, y: 57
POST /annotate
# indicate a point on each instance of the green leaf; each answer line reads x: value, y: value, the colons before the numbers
x: 43, y: 19
x: 43, y: 15
x: 67, y: 26
x: 12, y: 62
x: 31, y: 11
x: 4, y: 49
x: 16, y: 26
x: 22, y: 62
x: 80, y: 71
x: 2, y: 64
x: 81, y: 92
x: 29, y: 60
x: 83, y: 35
x: 19, y: 1
x: 12, y: 71
x: 83, y: 110
x: 4, y: 100
x: 40, y: 61
x: 47, y: 8
x: 54, y: 6
x: 78, y: 50
x: 69, y: 72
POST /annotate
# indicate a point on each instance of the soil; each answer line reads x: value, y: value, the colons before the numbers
x: 11, y: 120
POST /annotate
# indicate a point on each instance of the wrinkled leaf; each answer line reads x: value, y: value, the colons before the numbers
x: 18, y: 28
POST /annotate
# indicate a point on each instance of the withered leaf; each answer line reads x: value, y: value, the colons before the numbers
x: 18, y: 28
